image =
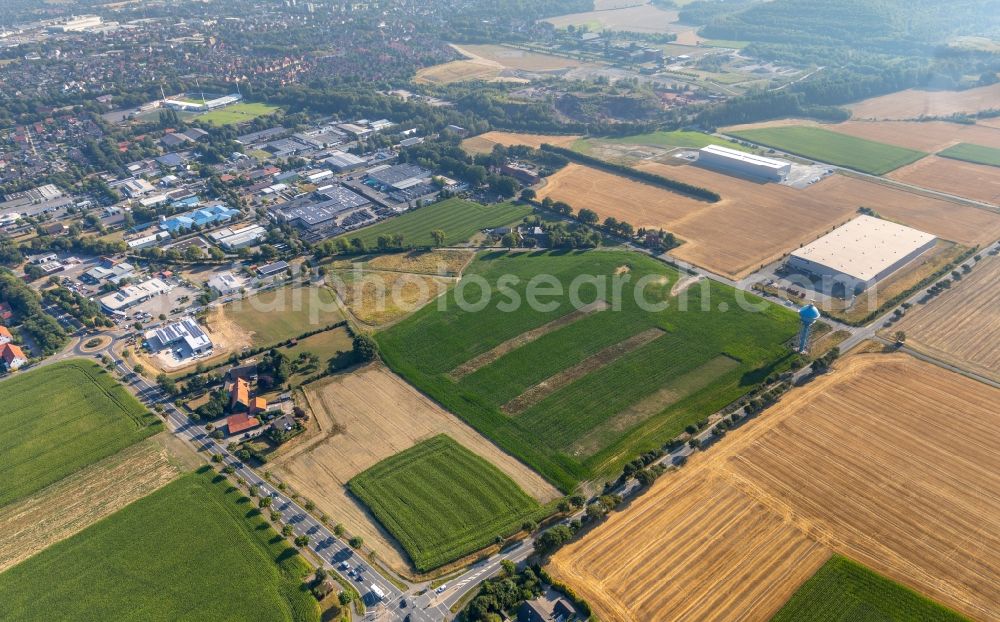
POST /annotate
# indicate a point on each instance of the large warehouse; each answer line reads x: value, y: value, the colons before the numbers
x: 861, y: 252
x: 740, y: 162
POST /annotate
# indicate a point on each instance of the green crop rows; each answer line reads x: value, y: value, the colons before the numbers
x: 814, y: 143
x: 843, y: 591
x: 705, y: 359
x: 442, y: 502
x: 458, y: 218
x: 61, y: 418
x: 193, y: 550
x: 977, y: 154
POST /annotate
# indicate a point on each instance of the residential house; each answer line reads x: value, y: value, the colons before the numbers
x: 240, y: 423
x: 5, y: 335
x: 13, y: 357
x: 6, y: 312
x: 547, y: 608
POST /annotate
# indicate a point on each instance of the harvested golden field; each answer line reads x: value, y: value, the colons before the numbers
x: 964, y: 179
x: 642, y: 18
x: 513, y: 58
x: 864, y: 462
x: 459, y: 71
x: 493, y: 63
x: 445, y: 262
x: 380, y: 298
x: 912, y: 104
x: 365, y: 417
x: 962, y: 325
x: 82, y: 499
x: 484, y: 143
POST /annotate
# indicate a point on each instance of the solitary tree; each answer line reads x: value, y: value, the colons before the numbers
x: 438, y: 236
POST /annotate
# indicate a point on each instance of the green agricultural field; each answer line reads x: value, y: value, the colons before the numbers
x: 843, y: 591
x: 822, y: 145
x: 237, y: 113
x: 669, y: 140
x: 193, y: 550
x: 281, y: 314
x: 977, y: 154
x: 596, y: 389
x: 458, y: 218
x: 60, y: 418
x: 442, y: 502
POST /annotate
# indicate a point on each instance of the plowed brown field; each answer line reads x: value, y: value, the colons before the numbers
x: 912, y: 104
x: 890, y: 461
x: 963, y: 179
x: 962, y: 326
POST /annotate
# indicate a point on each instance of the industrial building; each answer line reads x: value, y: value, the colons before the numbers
x: 235, y: 238
x: 742, y: 163
x: 128, y: 297
x: 341, y: 161
x: 399, y: 177
x: 185, y: 336
x: 226, y: 283
x: 214, y: 214
x: 329, y: 211
x: 861, y: 252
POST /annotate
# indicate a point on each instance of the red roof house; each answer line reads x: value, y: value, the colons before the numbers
x: 241, y: 423
x: 5, y: 311
x: 12, y: 356
x: 5, y: 336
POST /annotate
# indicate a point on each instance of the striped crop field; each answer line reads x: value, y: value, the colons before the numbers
x: 194, y: 550
x: 458, y: 218
x: 60, y: 418
x: 843, y: 591
x: 442, y: 502
x: 867, y: 156
x: 578, y: 385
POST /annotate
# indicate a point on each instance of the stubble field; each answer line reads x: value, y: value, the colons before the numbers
x: 963, y: 179
x: 912, y: 104
x: 864, y: 462
x: 962, y: 325
x: 367, y: 416
x: 484, y: 143
x: 642, y: 18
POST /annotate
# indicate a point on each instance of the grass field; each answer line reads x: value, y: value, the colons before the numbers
x: 61, y: 418
x: 188, y: 551
x: 862, y: 462
x: 273, y: 316
x: 977, y: 154
x: 851, y: 152
x: 458, y: 218
x: 237, y: 113
x: 637, y: 377
x: 843, y: 591
x: 442, y: 502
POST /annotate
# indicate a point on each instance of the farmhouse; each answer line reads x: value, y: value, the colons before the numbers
x: 132, y: 295
x: 240, y: 399
x: 237, y: 424
x: 862, y: 252
x: 13, y: 357
x: 5, y: 336
x: 733, y: 161
x: 186, y: 336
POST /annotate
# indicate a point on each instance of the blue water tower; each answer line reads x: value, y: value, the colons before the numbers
x: 808, y: 316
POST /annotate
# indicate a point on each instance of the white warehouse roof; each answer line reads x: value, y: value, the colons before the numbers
x: 742, y: 156
x: 865, y: 247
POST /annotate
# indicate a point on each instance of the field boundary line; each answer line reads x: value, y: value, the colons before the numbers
x: 592, y: 363
x: 491, y: 355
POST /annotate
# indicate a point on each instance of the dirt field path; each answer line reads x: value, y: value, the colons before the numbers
x: 376, y: 414
x: 866, y: 462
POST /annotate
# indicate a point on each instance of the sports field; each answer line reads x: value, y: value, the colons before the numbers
x: 237, y: 113
x: 274, y: 316
x: 620, y: 374
x: 851, y: 152
x: 458, y: 218
x: 843, y: 591
x: 864, y: 462
x: 188, y: 551
x: 442, y: 502
x: 977, y: 154
x: 60, y: 418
